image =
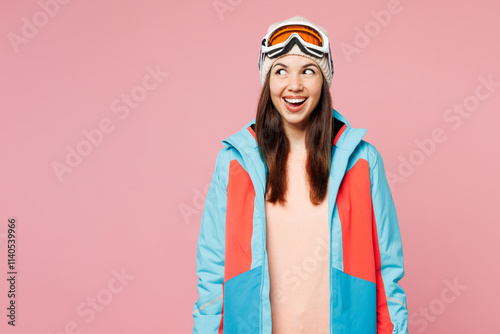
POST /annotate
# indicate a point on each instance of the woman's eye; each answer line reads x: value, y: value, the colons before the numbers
x: 307, y: 69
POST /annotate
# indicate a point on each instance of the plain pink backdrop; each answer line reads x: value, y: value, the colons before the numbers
x: 133, y: 202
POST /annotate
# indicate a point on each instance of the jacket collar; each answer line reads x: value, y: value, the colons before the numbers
x: 346, y: 137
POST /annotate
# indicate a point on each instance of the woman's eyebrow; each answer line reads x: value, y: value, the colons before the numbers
x: 306, y: 65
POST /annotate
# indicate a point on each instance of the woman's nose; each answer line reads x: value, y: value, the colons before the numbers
x: 295, y: 82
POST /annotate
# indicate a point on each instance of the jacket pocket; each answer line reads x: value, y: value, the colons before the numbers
x: 242, y: 305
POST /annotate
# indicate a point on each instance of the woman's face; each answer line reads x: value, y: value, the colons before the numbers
x: 299, y: 79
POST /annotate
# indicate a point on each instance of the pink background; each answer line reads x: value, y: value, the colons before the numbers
x: 121, y: 207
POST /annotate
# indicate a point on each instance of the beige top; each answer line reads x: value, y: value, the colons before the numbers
x: 299, y: 257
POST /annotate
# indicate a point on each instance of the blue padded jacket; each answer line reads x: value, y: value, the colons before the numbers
x: 366, y: 253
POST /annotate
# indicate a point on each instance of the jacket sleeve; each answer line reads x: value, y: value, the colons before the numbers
x: 392, y: 313
x: 207, y: 311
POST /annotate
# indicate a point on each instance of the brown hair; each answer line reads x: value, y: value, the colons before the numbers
x: 274, y: 145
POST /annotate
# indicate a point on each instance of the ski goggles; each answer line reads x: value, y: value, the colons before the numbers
x: 310, y: 40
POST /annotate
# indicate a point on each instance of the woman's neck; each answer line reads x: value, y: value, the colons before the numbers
x: 297, y: 138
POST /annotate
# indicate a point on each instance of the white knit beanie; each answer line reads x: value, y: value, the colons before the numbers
x: 295, y: 50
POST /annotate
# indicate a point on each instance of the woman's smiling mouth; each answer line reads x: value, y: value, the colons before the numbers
x: 294, y: 104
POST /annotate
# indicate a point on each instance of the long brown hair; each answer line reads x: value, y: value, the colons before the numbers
x: 274, y: 145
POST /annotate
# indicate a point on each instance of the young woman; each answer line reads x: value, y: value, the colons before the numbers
x: 299, y: 232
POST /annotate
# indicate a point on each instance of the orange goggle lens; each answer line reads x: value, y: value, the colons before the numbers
x: 308, y: 34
